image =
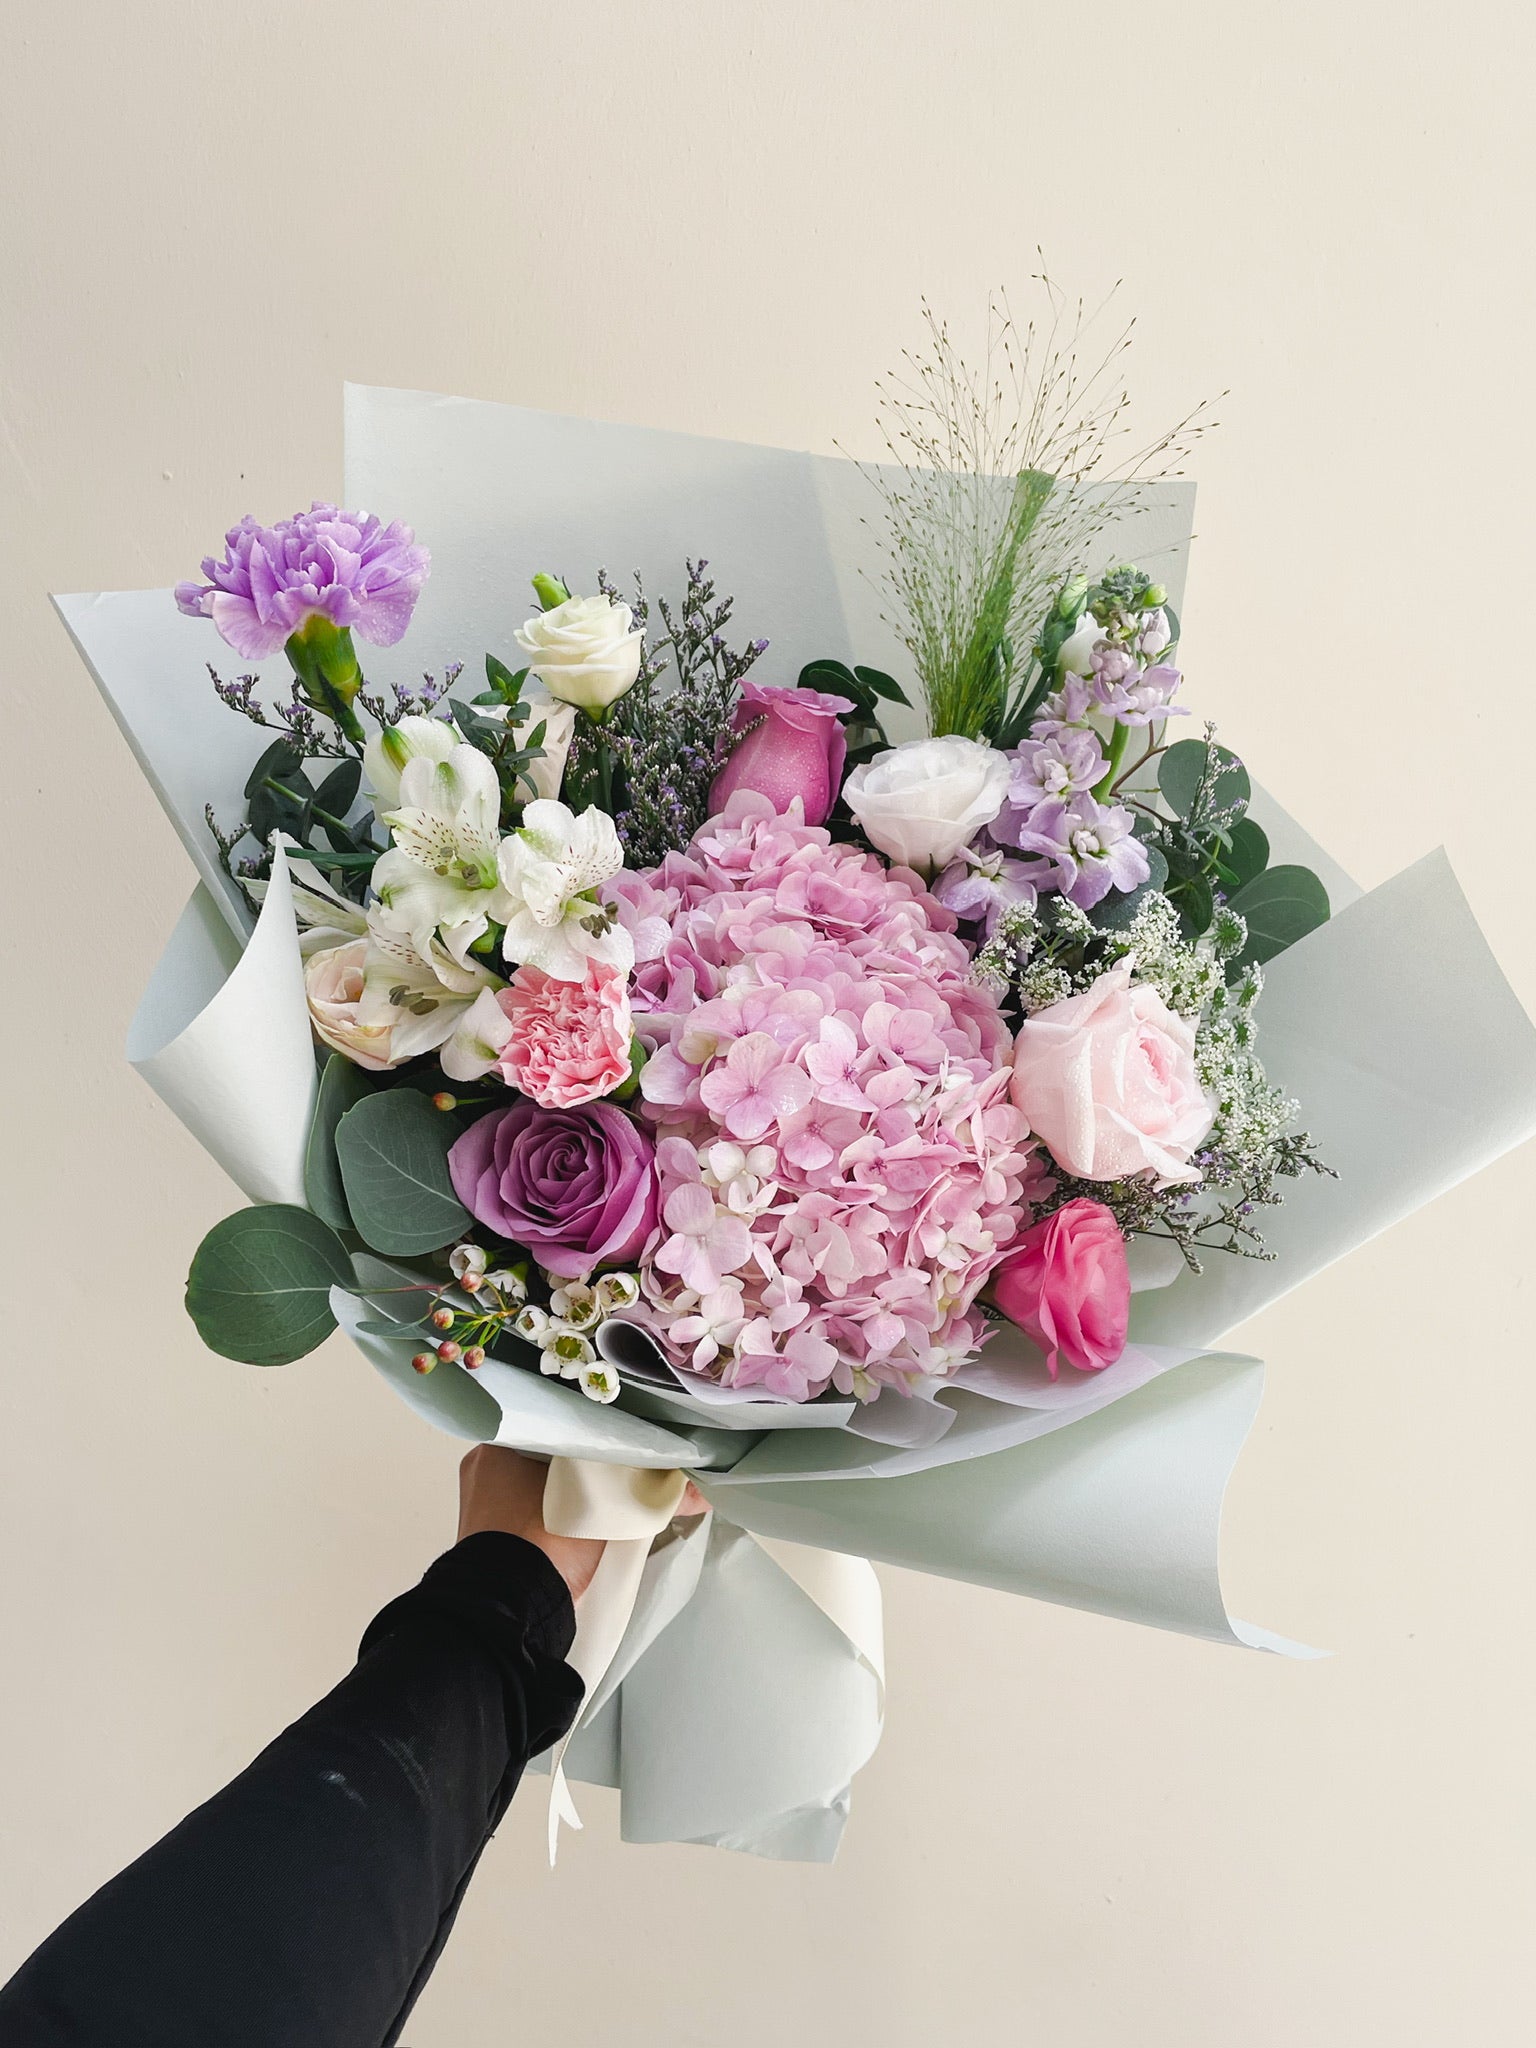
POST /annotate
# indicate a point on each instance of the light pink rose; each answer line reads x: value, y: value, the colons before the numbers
x: 1068, y: 1286
x: 1107, y: 1079
x: 333, y: 987
x: 570, y: 1039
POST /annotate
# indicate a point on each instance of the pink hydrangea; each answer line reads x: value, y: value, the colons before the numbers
x: 839, y: 1167
x: 570, y: 1040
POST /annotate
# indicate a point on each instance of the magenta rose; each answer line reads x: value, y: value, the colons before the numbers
x: 1067, y: 1285
x: 793, y: 746
x: 575, y: 1187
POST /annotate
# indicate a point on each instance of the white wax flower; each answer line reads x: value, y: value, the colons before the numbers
x: 599, y: 1382
x: 585, y: 652
x: 549, y: 871
x: 921, y: 802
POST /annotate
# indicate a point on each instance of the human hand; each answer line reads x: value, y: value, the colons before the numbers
x: 501, y: 1489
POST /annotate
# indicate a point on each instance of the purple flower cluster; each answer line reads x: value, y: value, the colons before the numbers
x: 1079, y: 844
x: 347, y: 567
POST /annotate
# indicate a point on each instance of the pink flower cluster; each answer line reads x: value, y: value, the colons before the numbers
x: 839, y: 1166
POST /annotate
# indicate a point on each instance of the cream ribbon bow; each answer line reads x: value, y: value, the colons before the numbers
x: 627, y: 1507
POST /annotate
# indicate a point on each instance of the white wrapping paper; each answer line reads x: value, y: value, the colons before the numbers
x: 743, y: 1692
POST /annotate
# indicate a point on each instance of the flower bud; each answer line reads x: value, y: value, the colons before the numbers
x: 442, y: 1319
x: 550, y: 591
x: 444, y: 1101
x: 1070, y: 602
x: 448, y: 1351
x: 474, y: 1357
x: 424, y: 1361
x: 1154, y: 595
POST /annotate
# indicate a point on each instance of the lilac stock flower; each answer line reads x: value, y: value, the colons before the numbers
x: 575, y: 1187
x: 1061, y: 765
x: 1064, y: 710
x: 982, y: 883
x: 1144, y: 696
x: 346, y: 567
x: 1089, y: 846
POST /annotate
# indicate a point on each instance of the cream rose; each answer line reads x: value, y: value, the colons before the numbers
x: 921, y: 802
x: 333, y: 987
x: 1107, y: 1079
x: 586, y: 651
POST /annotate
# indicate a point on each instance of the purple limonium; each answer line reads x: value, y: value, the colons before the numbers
x: 1089, y: 846
x: 347, y: 568
x: 1145, y: 696
x: 982, y: 883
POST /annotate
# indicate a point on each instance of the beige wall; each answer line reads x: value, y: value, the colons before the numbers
x: 720, y: 217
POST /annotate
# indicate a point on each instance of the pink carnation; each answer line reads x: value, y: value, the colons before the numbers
x: 570, y: 1039
x: 839, y: 1166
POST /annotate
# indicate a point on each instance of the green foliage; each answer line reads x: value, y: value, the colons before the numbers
x: 343, y: 1084
x: 1280, y: 906
x: 1245, y: 855
x: 1115, y: 912
x: 1197, y: 777
x: 392, y: 1148
x: 260, y: 1284
x: 864, y: 688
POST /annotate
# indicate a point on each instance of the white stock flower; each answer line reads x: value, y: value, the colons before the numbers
x: 441, y: 875
x: 388, y: 751
x: 921, y: 802
x: 585, y: 652
x: 549, y: 870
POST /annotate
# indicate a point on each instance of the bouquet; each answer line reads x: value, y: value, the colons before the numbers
x: 656, y: 1060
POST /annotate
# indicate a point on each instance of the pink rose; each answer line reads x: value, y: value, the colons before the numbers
x: 1067, y: 1286
x: 570, y: 1039
x: 793, y: 747
x: 1107, y: 1079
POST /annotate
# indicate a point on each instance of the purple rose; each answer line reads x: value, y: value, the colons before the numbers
x: 793, y: 746
x: 575, y: 1187
x: 347, y: 567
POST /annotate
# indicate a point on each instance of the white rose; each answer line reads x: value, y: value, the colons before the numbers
x: 920, y: 803
x: 585, y: 652
x: 385, y: 755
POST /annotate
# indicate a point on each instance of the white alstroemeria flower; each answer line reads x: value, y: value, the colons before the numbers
x: 326, y: 918
x: 478, y: 1041
x: 441, y: 874
x: 550, y: 870
x: 419, y: 996
x: 389, y: 751
x: 585, y: 651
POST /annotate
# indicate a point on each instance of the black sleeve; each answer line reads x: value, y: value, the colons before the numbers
x: 306, y: 1903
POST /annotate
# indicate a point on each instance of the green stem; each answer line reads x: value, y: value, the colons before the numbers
x: 1119, y: 739
x: 326, y: 818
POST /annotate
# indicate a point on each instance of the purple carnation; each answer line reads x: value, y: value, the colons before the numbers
x: 346, y: 566
x: 575, y: 1187
x: 1090, y: 847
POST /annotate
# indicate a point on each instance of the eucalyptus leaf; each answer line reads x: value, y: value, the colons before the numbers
x: 1196, y: 902
x: 393, y: 1152
x: 1246, y: 854
x: 260, y: 1285
x: 343, y: 1084
x: 338, y: 792
x: 1117, y: 909
x: 1280, y: 906
x: 1182, y: 769
x: 281, y: 760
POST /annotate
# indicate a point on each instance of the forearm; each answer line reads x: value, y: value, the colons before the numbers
x: 306, y: 1901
